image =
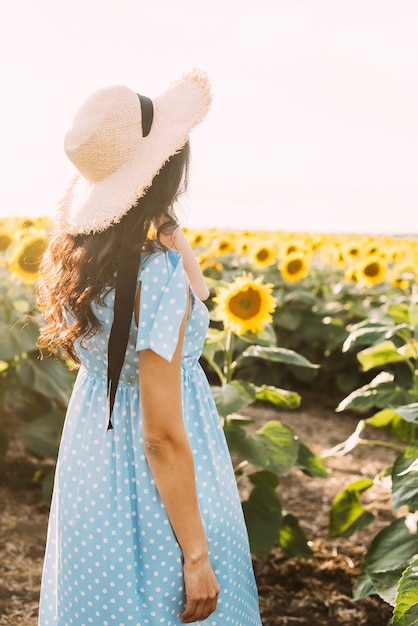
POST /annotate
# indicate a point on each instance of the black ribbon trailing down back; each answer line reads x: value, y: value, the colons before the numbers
x: 125, y: 287
x: 125, y: 290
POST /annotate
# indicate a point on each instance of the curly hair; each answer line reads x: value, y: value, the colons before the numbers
x: 77, y: 270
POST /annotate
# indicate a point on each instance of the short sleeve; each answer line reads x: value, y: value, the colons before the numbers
x: 163, y: 303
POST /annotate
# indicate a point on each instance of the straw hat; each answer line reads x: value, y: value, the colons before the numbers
x: 115, y: 158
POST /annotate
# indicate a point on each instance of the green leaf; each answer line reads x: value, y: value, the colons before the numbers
x: 265, y: 337
x: 233, y: 397
x: 364, y: 398
x: 292, y: 539
x: 42, y: 435
x: 309, y: 463
x: 381, y: 392
x: 278, y: 355
x: 47, y: 486
x: 393, y: 424
x: 405, y: 483
x: 406, y: 604
x: 347, y: 515
x: 400, y: 312
x: 17, y: 339
x: 382, y: 418
x: 241, y: 420
x: 290, y: 320
x: 371, y: 334
x: 409, y: 412
x: 263, y: 517
x: 279, y: 397
x: 391, y: 550
x: 264, y: 477
x: 413, y: 316
x: 49, y: 377
x: 386, y: 584
x: 380, y: 354
x: 273, y: 447
x: 301, y: 296
x: 412, y: 468
x: 215, y: 342
x: 364, y: 586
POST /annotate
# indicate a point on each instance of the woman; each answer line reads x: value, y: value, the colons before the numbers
x: 146, y: 525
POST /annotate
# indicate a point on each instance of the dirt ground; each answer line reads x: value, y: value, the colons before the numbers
x: 293, y: 592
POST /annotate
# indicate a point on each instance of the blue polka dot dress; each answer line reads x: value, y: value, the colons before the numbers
x: 112, y: 558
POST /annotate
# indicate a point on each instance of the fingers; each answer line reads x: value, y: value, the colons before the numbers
x: 196, y: 611
x: 202, y: 591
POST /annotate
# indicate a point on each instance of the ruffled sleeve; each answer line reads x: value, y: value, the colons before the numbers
x: 163, y: 303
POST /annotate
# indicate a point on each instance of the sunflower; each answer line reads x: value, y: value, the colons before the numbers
x: 294, y: 267
x: 26, y: 257
x: 262, y: 255
x: 402, y: 276
x: 245, y: 239
x: 26, y: 222
x: 246, y: 305
x: 6, y: 238
x: 372, y: 247
x: 371, y: 270
x: 196, y: 238
x: 209, y: 265
x: 396, y: 254
x: 224, y: 244
x: 351, y: 250
x: 293, y: 246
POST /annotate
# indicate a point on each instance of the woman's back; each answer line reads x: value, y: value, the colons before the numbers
x: 162, y: 285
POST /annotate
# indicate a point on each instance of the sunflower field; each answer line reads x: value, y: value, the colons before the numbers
x: 334, y: 313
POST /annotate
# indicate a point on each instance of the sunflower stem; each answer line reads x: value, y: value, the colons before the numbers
x: 229, y: 346
x: 381, y: 442
x: 219, y: 372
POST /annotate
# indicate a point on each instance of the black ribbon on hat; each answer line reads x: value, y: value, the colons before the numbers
x: 147, y: 114
x: 125, y: 287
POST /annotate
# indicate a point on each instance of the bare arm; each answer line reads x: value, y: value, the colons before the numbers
x: 179, y: 242
x: 170, y: 457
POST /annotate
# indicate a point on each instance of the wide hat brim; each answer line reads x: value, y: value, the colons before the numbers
x: 90, y: 207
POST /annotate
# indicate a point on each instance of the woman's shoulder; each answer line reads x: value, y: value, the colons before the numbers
x: 161, y: 261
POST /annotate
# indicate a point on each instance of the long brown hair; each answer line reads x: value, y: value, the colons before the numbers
x: 78, y: 270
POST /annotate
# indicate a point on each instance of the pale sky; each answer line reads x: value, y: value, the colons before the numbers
x: 314, y: 123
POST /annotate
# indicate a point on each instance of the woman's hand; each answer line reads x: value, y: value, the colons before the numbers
x: 178, y: 241
x: 202, y: 590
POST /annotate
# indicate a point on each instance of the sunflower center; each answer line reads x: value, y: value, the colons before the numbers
x: 28, y: 224
x: 245, y: 304
x: 30, y: 259
x: 372, y: 270
x: 294, y: 266
x: 262, y: 254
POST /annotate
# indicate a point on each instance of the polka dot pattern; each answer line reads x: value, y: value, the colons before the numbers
x: 111, y: 556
